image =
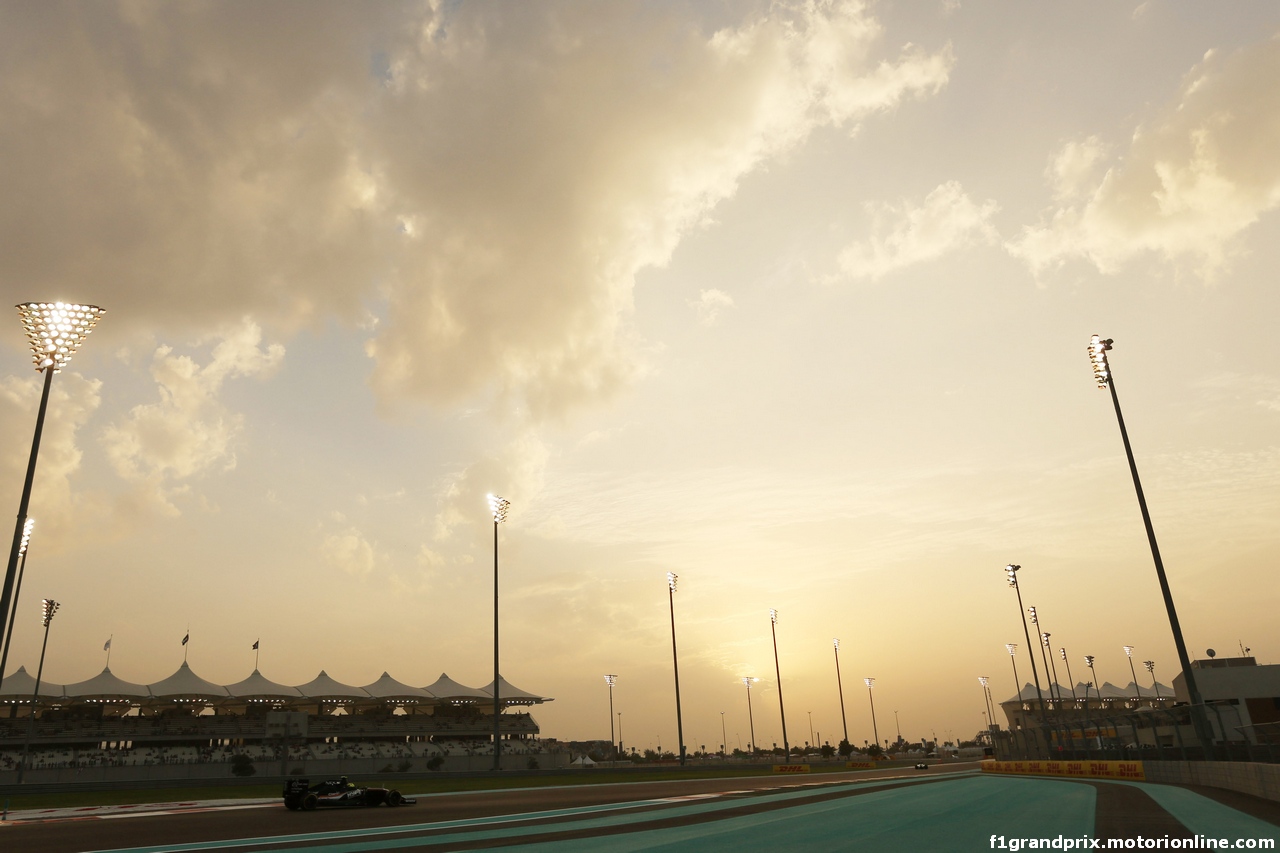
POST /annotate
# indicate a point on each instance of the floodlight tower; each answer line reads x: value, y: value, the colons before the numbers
x: 1151, y: 670
x: 1063, y: 653
x: 844, y: 721
x: 1128, y: 651
x: 48, y: 607
x: 1088, y: 661
x: 871, y: 682
x: 498, y: 507
x: 1012, y: 649
x: 747, y: 681
x: 1047, y: 650
x: 671, y: 598
x: 1044, y: 644
x: 1098, y: 349
x: 17, y: 590
x: 773, y: 627
x: 1011, y: 573
x: 55, y: 330
x: 611, y: 680
x: 986, y: 698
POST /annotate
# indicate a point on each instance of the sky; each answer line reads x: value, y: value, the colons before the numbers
x: 790, y: 299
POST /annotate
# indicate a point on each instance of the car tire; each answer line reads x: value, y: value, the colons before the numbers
x: 309, y: 803
x: 394, y: 798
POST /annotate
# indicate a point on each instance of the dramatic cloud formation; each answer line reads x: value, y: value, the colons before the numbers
x: 189, y: 431
x: 487, y: 178
x: 908, y: 234
x: 72, y: 401
x: 709, y: 304
x: 1192, y: 180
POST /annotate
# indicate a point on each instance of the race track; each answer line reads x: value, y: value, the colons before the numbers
x: 882, y: 810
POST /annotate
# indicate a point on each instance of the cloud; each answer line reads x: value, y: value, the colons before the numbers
x: 188, y: 432
x: 515, y: 473
x: 349, y: 551
x: 1193, y: 180
x: 476, y: 184
x: 709, y: 304
x: 72, y: 401
x: 908, y: 234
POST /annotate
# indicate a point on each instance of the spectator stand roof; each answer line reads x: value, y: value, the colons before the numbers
x: 259, y: 689
x: 325, y: 689
x: 447, y: 690
x: 391, y: 692
x: 184, y: 687
x: 509, y: 695
x: 106, y: 688
x: 17, y: 688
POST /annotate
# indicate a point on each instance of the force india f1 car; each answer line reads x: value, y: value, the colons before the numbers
x: 338, y: 793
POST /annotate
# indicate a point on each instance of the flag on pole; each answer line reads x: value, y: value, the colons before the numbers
x: 186, y: 637
x: 107, y: 644
x: 255, y: 645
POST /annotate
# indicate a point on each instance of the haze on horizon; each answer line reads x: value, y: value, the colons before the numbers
x: 790, y: 299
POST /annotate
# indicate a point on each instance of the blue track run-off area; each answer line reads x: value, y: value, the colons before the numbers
x: 960, y: 812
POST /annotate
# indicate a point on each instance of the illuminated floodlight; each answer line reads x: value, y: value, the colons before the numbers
x: 1011, y: 648
x: 48, y: 607
x: 56, y: 330
x: 1088, y: 661
x: 1098, y: 356
x: 773, y: 616
x: 1011, y: 572
x: 672, y: 577
x: 26, y: 536
x: 498, y: 506
x: 1031, y: 611
x: 748, y: 681
x: 611, y: 680
x: 1044, y: 639
x: 1150, y: 665
x: 982, y: 679
x: 1128, y: 650
x: 870, y: 682
x: 836, y: 641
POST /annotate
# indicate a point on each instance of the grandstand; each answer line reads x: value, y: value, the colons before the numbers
x: 184, y: 725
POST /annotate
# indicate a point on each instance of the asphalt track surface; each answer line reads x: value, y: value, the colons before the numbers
x: 898, y: 809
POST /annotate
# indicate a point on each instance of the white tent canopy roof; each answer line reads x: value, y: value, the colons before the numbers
x: 387, y: 687
x: 446, y: 688
x: 257, y: 686
x: 1108, y: 691
x: 508, y: 693
x: 325, y: 687
x: 185, y: 684
x: 104, y: 685
x: 19, y: 686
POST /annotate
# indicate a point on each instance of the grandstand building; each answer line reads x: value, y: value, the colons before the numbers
x: 313, y: 728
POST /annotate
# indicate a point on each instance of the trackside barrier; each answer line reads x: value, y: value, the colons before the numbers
x: 859, y: 765
x: 791, y: 768
x: 1131, y: 770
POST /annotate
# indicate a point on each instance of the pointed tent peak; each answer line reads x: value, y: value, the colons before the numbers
x: 446, y: 688
x: 511, y: 695
x: 106, y: 686
x: 258, y: 686
x: 325, y: 687
x: 387, y: 687
x: 20, y: 684
x: 185, y: 684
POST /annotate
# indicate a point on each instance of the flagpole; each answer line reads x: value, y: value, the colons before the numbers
x: 255, y: 654
x: 185, y: 637
x: 108, y: 647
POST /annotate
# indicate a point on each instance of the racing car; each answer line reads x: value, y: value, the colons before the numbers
x: 338, y: 793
